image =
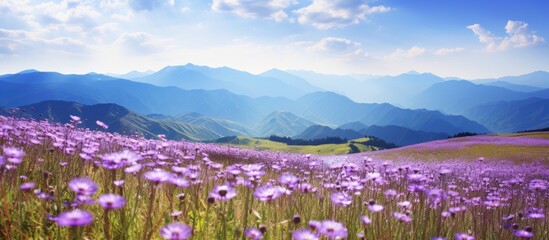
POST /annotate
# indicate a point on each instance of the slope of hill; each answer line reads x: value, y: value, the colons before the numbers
x: 118, y: 118
x: 201, y: 77
x: 519, y: 148
x: 291, y: 80
x: 282, y: 124
x: 354, y: 146
x: 319, y: 131
x: 458, y: 96
x: 512, y: 116
x: 400, y: 136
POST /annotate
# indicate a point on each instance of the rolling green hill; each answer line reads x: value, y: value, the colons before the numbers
x: 356, y: 145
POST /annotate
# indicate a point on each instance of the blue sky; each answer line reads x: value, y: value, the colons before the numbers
x: 469, y: 39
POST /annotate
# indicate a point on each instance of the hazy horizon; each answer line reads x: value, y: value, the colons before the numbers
x: 466, y: 39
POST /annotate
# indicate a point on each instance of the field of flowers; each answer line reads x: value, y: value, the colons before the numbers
x: 62, y: 182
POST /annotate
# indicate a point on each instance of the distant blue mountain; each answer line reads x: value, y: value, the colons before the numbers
x: 132, y: 75
x: 456, y: 97
x: 337, y: 109
x: 374, y: 89
x: 201, y: 77
x: 512, y: 116
x: 538, y: 79
x: 513, y: 87
x: 291, y: 80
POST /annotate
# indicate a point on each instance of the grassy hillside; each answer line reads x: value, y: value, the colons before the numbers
x: 519, y: 148
x: 324, y: 149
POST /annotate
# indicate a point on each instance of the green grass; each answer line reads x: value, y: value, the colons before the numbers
x: 324, y: 149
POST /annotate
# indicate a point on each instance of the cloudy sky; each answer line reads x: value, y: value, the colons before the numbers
x: 467, y: 38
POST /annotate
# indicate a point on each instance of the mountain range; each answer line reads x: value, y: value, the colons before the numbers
x: 224, y: 101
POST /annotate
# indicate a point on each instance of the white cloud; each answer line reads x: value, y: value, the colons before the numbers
x: 17, y: 42
x: 334, y: 44
x: 326, y: 14
x: 141, y: 43
x: 445, y: 51
x: 268, y: 9
x: 149, y: 5
x: 517, y: 36
x: 414, y: 51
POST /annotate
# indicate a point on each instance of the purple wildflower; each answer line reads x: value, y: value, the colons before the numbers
x: 111, y: 201
x: 365, y: 220
x: 333, y: 229
x: 223, y: 192
x: 176, y: 231
x: 463, y: 236
x: 157, y: 176
x: 268, y: 193
x: 304, y: 234
x: 253, y: 233
x: 523, y: 234
x: 401, y: 217
x: 14, y: 155
x: 74, y: 218
x: 101, y: 124
x: 83, y: 186
x: 27, y: 186
x: 288, y: 179
x: 341, y: 199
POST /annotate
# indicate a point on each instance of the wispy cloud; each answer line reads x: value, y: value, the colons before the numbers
x: 446, y: 51
x: 518, y: 36
x: 269, y: 9
x: 326, y: 14
x: 399, y: 53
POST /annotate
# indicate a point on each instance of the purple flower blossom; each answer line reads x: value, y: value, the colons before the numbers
x: 253, y: 233
x: 401, y: 217
x: 83, y: 186
x: 288, y: 179
x: 375, y: 207
x: 333, y: 229
x: 176, y: 231
x: 269, y: 193
x: 523, y: 234
x: 118, y: 183
x: 463, y: 236
x: 111, y: 201
x: 101, y: 124
x: 365, y: 220
x: 179, y: 181
x: 341, y: 199
x: 304, y: 234
x: 14, y: 155
x: 157, y: 176
x: 74, y: 218
x: 26, y: 186
x: 223, y: 192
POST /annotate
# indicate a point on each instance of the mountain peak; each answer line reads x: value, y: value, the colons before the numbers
x: 28, y: 71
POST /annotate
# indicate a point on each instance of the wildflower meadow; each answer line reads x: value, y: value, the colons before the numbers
x: 59, y: 181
